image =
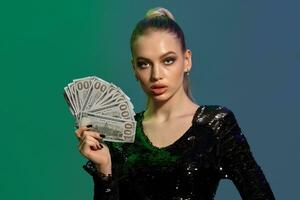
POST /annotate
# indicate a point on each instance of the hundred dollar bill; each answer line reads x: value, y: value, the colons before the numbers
x: 82, y: 88
x: 97, y: 93
x: 115, y: 130
x: 119, y: 110
x: 104, y: 104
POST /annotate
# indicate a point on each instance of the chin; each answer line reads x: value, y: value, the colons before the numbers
x: 160, y: 98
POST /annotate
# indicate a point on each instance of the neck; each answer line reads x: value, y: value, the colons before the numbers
x: 172, y: 107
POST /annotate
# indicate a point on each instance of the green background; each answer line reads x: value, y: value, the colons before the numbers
x: 245, y: 56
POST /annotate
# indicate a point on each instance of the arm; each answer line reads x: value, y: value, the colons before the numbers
x: 105, y: 186
x: 101, y: 157
x: 237, y: 162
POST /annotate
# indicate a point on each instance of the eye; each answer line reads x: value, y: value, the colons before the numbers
x: 142, y: 64
x: 169, y: 61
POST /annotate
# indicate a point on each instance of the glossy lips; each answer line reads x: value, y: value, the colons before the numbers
x: 158, y: 89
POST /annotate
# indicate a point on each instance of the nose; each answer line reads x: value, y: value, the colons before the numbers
x: 156, y: 73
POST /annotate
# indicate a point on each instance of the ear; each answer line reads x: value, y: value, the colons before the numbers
x: 187, y: 60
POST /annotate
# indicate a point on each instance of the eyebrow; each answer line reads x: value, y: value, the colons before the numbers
x: 164, y: 55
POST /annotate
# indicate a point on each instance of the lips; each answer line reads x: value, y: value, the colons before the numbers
x: 158, y: 89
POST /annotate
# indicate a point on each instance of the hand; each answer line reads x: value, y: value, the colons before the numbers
x: 90, y: 146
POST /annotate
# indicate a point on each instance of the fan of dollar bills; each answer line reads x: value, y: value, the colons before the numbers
x: 105, y: 106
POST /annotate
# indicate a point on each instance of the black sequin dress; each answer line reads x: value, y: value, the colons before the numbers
x: 213, y: 148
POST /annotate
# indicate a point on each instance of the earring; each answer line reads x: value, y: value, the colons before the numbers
x: 187, y: 72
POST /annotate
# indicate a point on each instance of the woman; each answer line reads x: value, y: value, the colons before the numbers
x: 182, y: 149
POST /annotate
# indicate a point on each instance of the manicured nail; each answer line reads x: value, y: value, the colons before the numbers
x: 102, y: 135
x: 89, y: 126
x: 101, y: 145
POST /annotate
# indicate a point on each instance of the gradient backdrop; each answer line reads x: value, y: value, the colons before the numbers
x: 246, y: 56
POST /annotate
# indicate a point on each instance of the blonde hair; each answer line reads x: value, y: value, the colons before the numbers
x: 159, y: 11
x: 162, y: 19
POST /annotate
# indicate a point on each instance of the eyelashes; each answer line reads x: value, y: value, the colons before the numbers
x: 169, y: 61
x: 141, y: 64
x: 166, y: 61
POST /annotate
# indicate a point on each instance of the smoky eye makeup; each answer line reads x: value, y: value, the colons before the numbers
x: 142, y: 64
x: 169, y: 60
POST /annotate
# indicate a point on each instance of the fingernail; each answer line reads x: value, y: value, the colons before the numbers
x: 101, y: 145
x: 89, y: 126
x: 102, y: 135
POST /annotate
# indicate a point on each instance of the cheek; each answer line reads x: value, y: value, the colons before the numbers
x: 176, y: 73
x: 144, y: 85
x: 142, y: 78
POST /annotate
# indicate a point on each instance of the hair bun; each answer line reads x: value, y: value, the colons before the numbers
x: 159, y: 11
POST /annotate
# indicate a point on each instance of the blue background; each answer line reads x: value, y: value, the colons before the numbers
x: 246, y: 56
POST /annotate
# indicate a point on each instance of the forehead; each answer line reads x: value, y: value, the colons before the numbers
x: 155, y: 43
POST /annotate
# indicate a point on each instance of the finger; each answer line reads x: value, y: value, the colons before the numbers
x: 89, y: 143
x: 94, y: 134
x: 99, y: 140
x: 80, y: 131
x: 92, y: 139
x: 101, y: 135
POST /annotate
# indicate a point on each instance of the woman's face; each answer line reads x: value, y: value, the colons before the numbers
x: 159, y: 64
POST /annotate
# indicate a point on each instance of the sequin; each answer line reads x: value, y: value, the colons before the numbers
x: 191, y: 138
x: 214, y: 148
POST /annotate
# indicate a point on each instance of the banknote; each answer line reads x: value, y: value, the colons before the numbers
x: 92, y: 100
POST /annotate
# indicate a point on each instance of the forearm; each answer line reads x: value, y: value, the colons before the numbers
x: 248, y: 176
x: 239, y: 164
x: 104, y: 169
x: 105, y: 185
